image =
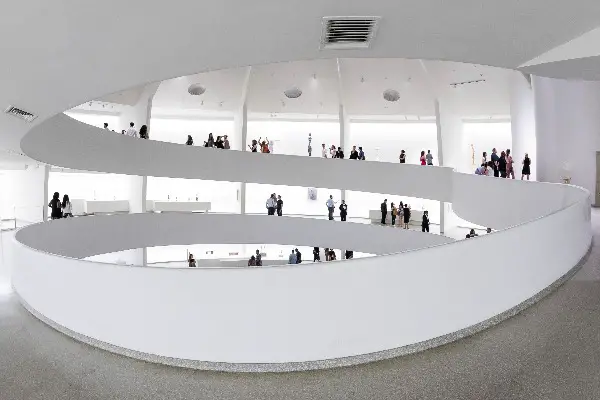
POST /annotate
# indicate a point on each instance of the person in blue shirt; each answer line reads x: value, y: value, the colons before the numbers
x: 292, y: 258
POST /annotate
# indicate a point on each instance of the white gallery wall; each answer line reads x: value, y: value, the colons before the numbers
x: 22, y: 195
x: 89, y: 186
x: 383, y: 141
x: 223, y: 196
x: 98, y: 120
x: 291, y: 137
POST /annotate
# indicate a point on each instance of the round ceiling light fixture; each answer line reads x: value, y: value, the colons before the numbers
x: 293, y: 93
x: 196, y: 89
x: 391, y: 95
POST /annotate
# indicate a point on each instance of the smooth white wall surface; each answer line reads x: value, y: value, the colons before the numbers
x: 176, y: 130
x: 22, y: 195
x: 136, y: 157
x: 379, y: 303
x: 567, y: 126
x: 88, y: 236
x: 522, y: 118
x: 484, y: 136
x: 223, y: 196
x: 383, y: 141
x: 89, y: 186
x: 295, y: 199
x: 98, y: 120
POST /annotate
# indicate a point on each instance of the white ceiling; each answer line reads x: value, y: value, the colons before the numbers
x: 62, y: 53
x: 363, y: 81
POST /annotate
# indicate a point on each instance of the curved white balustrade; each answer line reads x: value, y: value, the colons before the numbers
x: 89, y: 236
x: 312, y: 316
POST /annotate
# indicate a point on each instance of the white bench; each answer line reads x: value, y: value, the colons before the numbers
x: 177, y: 206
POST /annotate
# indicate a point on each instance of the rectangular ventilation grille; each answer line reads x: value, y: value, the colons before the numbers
x: 22, y: 114
x: 348, y: 32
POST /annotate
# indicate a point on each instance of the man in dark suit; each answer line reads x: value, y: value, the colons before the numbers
x: 383, y: 211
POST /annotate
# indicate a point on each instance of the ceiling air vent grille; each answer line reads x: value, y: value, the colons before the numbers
x: 348, y: 32
x: 17, y: 112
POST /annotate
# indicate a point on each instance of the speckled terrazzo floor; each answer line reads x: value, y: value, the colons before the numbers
x: 550, y: 351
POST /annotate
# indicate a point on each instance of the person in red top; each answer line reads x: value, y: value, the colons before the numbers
x: 423, y: 158
x: 264, y: 146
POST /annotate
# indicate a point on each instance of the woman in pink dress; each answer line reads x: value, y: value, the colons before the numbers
x: 423, y: 158
x: 510, y: 171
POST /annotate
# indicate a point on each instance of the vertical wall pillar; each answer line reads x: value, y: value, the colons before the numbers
x: 241, y: 125
x: 344, y: 138
x: 140, y: 114
x: 522, y: 121
x: 45, y: 193
x: 451, y: 150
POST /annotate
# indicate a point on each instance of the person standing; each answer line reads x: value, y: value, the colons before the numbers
x: 252, y: 262
x: 495, y: 159
x: 316, y: 254
x: 422, y: 158
x: 254, y: 147
x: 425, y: 222
x: 144, y: 132
x: 310, y: 145
x: 226, y: 144
x: 429, y: 157
x: 210, y: 142
x: 406, y: 215
x: 192, y: 261
x: 106, y: 126
x: 292, y: 259
x: 343, y: 210
x: 131, y: 131
x: 383, y: 211
x: 271, y: 205
x: 279, y: 206
x: 402, y: 157
x: 330, y: 206
x: 298, y: 257
x: 219, y: 143
x: 502, y: 165
x: 190, y: 141
x: 67, y: 209
x: 258, y: 258
x: 510, y: 169
x: 394, y: 214
x: 339, y: 153
x: 324, y: 151
x: 55, y: 206
x: 354, y: 153
x: 484, y: 159
x: 526, y: 167
x: 361, y: 153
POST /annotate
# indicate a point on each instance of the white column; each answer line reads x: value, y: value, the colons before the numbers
x: 139, y: 114
x: 451, y: 150
x: 344, y: 138
x: 567, y: 121
x: 522, y: 121
x: 241, y: 127
x: 45, y: 208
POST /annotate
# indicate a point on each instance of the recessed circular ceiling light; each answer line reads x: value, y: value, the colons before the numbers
x: 391, y: 95
x: 293, y: 93
x: 196, y: 89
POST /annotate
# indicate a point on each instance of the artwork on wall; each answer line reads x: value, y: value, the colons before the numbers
x: 472, y: 154
x: 312, y: 193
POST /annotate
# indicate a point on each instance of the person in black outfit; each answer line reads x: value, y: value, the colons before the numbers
x: 219, y: 143
x: 343, y: 210
x: 298, y: 257
x: 316, y: 255
x: 526, y: 171
x: 354, y: 153
x: 361, y: 154
x: 502, y: 165
x: 190, y: 141
x: 55, y: 205
x: 406, y: 215
x: 425, y: 222
x: 279, y: 206
x: 495, y: 160
x: 144, y: 132
x: 383, y: 211
x: 349, y: 254
x: 339, y: 153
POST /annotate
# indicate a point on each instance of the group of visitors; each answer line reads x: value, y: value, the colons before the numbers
x: 502, y: 165
x: 424, y: 159
x: 274, y: 203
x: 330, y: 203
x: 403, y: 213
x: 333, y: 152
x: 60, y: 209
x: 265, y: 146
x: 222, y: 142
x: 131, y: 131
x: 255, y: 260
x: 295, y: 257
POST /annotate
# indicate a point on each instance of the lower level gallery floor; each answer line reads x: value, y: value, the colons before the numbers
x: 550, y: 351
